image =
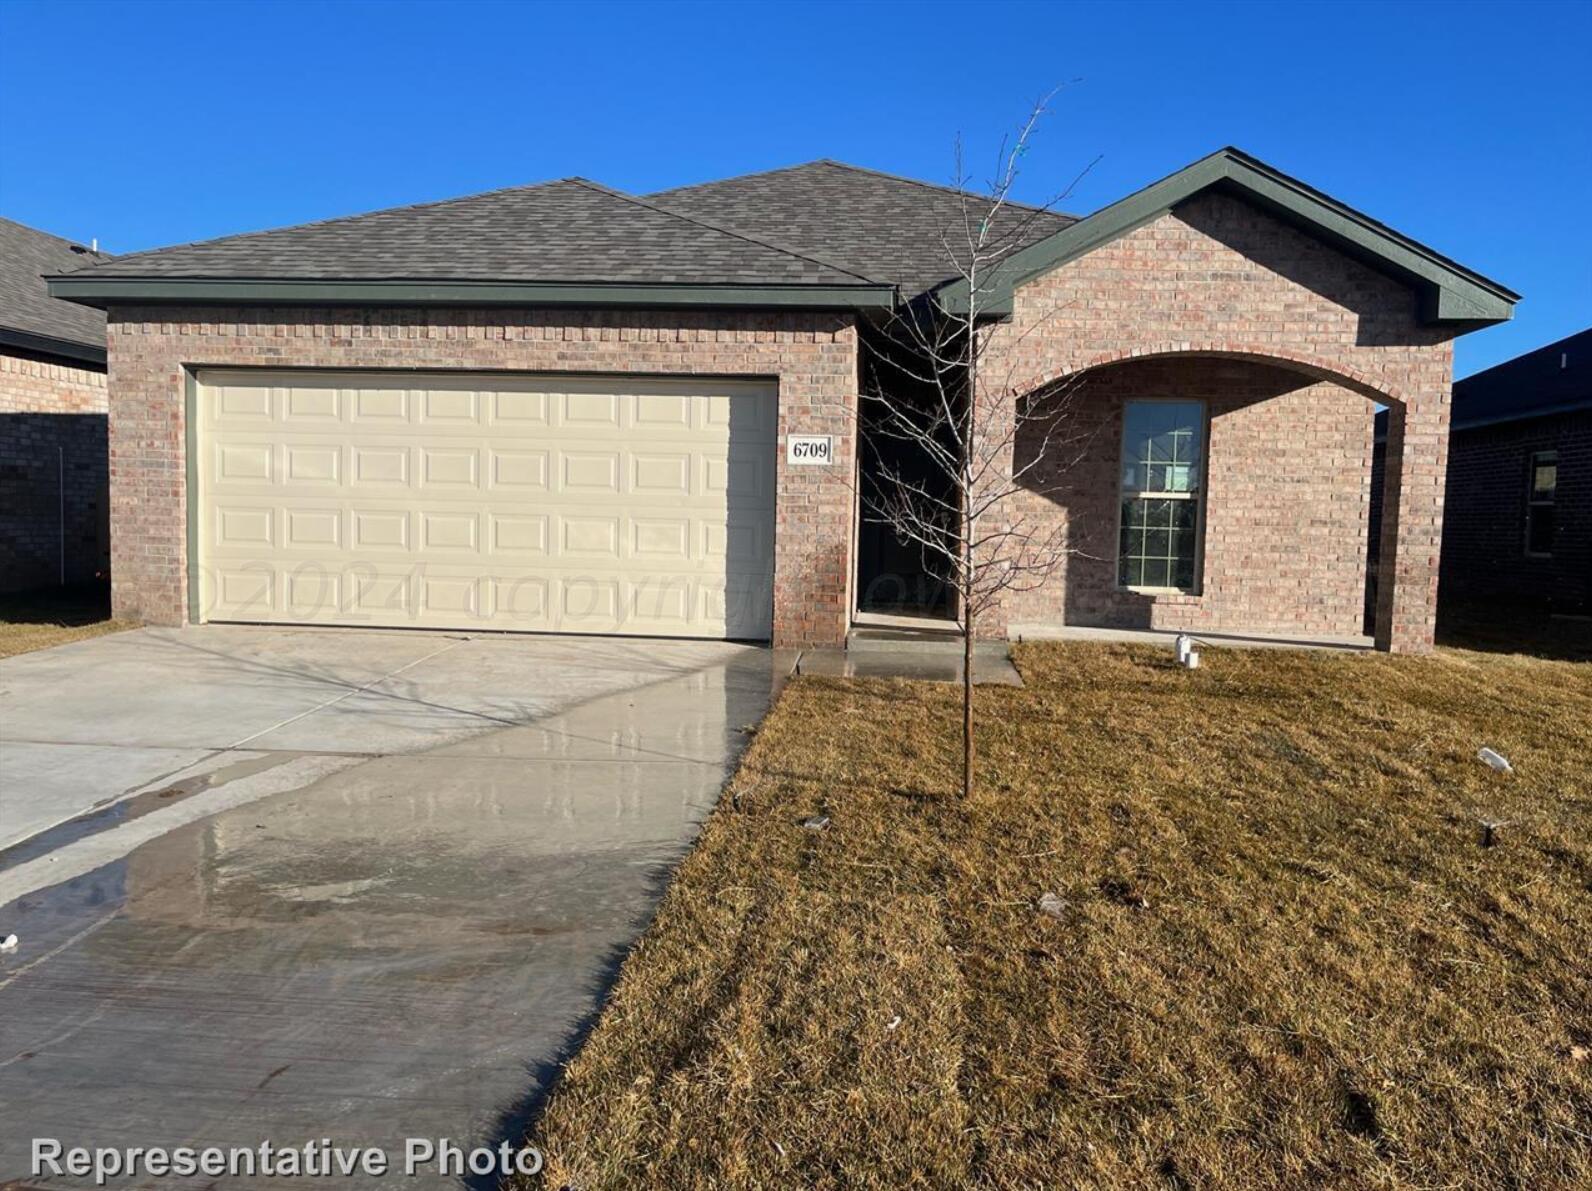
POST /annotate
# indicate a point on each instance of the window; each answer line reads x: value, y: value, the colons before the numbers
x: 1163, y: 445
x: 1541, y: 482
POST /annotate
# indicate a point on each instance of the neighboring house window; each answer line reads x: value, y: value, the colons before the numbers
x: 1541, y: 483
x: 1163, y: 446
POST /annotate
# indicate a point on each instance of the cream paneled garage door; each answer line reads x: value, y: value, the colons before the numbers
x: 551, y: 503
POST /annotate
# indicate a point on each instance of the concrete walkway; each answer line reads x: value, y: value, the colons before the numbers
x: 355, y: 885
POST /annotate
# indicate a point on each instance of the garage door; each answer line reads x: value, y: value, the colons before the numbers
x: 558, y: 504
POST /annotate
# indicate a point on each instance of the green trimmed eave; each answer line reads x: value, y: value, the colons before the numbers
x: 89, y: 290
x: 49, y: 345
x: 1449, y: 292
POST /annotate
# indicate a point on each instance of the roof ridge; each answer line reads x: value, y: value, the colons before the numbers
x: 293, y: 227
x: 862, y: 169
x: 779, y: 169
x: 722, y: 229
x: 834, y: 163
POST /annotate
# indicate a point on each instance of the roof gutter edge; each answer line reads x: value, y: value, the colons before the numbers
x: 50, y: 345
x: 102, y: 291
x: 1522, y: 415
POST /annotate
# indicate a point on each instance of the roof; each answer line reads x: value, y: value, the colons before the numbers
x: 823, y: 234
x: 29, y: 317
x: 1556, y: 378
x: 882, y: 225
x: 1450, y: 292
x: 566, y: 240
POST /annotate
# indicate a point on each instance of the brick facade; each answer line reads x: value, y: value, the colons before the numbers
x: 1220, y: 278
x: 1287, y: 340
x: 813, y: 356
x: 1287, y: 491
x: 54, y: 503
x: 1484, y: 534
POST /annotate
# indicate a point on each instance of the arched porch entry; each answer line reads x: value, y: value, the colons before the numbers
x: 1269, y: 532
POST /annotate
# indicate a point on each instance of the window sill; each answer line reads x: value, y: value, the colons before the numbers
x: 1171, y: 595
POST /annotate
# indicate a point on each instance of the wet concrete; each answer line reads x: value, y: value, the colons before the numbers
x: 406, y: 945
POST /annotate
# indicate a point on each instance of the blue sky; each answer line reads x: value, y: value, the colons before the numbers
x: 1465, y: 125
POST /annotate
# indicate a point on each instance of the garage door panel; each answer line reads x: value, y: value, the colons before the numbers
x: 312, y: 405
x: 450, y: 407
x: 380, y: 530
x: 314, y: 530
x: 450, y: 467
x: 243, y: 527
x: 518, y: 409
x: 588, y: 604
x: 378, y: 467
x: 589, y: 473
x: 320, y: 465
x: 380, y: 407
x: 242, y: 404
x: 246, y: 592
x: 523, y: 534
x: 575, y: 504
x: 521, y: 471
x: 245, y: 463
x: 589, y: 410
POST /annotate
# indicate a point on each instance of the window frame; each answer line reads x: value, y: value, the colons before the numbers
x: 1200, y: 495
x: 1534, y: 460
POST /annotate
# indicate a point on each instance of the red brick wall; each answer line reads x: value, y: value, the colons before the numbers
x: 1484, y: 530
x: 29, y: 385
x: 53, y: 473
x: 1220, y: 277
x: 1286, y: 496
x: 813, y: 356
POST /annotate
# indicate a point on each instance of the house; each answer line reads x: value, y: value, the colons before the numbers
x: 54, y: 507
x: 1517, y: 524
x: 564, y: 408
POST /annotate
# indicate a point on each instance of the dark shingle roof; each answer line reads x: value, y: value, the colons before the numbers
x: 886, y: 227
x: 565, y: 231
x: 1554, y: 378
x: 25, y: 302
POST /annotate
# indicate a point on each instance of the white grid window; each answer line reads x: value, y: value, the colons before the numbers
x: 1163, y: 445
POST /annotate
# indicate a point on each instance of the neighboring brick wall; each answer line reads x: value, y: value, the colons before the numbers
x: 814, y: 357
x: 1484, y: 534
x: 1287, y: 491
x: 54, y: 504
x: 1220, y: 277
x: 34, y: 385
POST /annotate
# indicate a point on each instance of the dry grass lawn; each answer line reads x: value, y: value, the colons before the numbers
x: 39, y: 619
x: 1284, y: 958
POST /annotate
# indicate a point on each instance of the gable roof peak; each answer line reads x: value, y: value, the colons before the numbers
x: 1450, y: 293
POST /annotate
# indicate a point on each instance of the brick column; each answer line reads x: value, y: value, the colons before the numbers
x: 1412, y: 524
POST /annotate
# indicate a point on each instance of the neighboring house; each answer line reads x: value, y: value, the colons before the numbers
x: 54, y: 510
x: 564, y: 408
x: 1518, y: 516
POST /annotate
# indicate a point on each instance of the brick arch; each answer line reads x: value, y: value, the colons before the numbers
x: 1312, y: 365
x: 1405, y: 610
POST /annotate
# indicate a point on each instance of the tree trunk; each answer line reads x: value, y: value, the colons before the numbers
x: 967, y: 703
x: 969, y: 576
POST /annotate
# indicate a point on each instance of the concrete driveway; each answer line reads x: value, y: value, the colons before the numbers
x: 299, y: 884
